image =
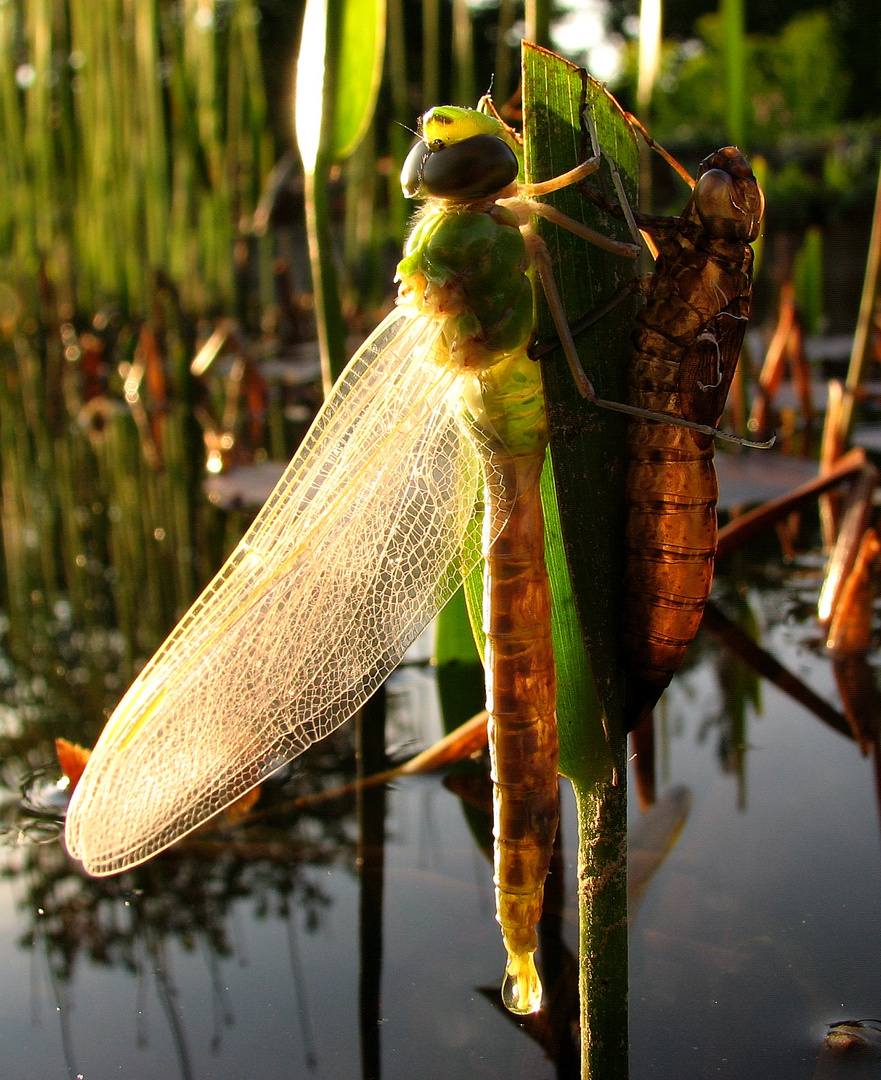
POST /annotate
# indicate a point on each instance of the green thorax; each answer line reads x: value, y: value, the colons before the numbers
x: 469, y: 265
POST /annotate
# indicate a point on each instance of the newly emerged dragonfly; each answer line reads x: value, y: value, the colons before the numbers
x: 369, y: 532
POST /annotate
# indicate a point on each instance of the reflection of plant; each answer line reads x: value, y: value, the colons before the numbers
x: 185, y: 895
x: 63, y: 686
x: 105, y: 534
x: 761, y: 608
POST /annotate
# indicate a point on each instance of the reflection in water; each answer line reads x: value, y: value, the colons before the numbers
x: 650, y: 841
x: 372, y: 812
x: 347, y: 940
x: 851, y: 1049
x: 301, y: 987
x: 758, y: 900
x: 187, y: 900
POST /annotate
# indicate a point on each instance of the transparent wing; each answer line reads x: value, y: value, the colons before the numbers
x: 363, y: 540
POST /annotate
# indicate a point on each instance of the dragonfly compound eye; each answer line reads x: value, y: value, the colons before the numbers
x: 470, y: 169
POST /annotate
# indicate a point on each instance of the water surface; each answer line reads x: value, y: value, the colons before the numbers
x: 307, y: 945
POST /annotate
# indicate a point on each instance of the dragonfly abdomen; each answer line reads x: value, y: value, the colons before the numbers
x: 468, y: 263
x: 521, y: 701
x: 671, y: 545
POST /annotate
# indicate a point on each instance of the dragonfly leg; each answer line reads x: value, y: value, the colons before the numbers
x: 557, y: 183
x: 487, y: 105
x: 598, y: 239
x: 526, y: 198
x: 624, y: 202
x: 524, y: 203
x: 541, y: 260
x: 543, y: 348
x: 645, y: 228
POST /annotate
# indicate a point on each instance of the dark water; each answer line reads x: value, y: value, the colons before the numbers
x: 291, y: 948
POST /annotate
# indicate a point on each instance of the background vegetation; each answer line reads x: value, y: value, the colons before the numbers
x: 145, y: 131
x: 149, y: 190
x: 155, y: 300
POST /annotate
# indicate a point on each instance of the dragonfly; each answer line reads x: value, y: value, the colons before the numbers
x: 424, y: 459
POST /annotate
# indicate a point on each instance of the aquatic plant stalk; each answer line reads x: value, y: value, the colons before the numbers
x: 585, y: 519
x: 538, y: 22
x: 463, y: 54
x: 862, y: 342
x: 430, y: 53
x: 649, y: 54
x: 340, y: 51
x: 141, y: 144
x: 735, y: 70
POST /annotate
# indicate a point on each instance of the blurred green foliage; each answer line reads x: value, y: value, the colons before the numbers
x: 855, y: 24
x: 796, y: 109
x: 135, y: 140
x: 808, y: 278
x: 797, y: 83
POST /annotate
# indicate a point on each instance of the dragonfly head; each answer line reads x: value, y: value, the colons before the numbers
x: 462, y: 155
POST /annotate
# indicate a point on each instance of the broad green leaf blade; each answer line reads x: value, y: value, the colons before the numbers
x: 587, y: 443
x: 339, y: 65
x: 359, y: 71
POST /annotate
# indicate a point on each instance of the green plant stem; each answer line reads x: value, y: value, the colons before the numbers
x: 463, y: 55
x: 402, y: 117
x: 430, y: 52
x: 587, y: 449
x: 735, y: 70
x: 325, y: 286
x: 538, y: 22
x: 141, y: 143
x: 602, y: 905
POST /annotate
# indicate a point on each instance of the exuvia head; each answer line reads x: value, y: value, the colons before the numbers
x: 727, y: 196
x: 462, y: 155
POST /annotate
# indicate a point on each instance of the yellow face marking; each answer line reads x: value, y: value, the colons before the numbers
x: 448, y: 124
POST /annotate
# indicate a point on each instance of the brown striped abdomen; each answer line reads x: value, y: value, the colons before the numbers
x: 521, y: 701
x: 686, y: 346
x: 671, y: 527
x: 671, y: 541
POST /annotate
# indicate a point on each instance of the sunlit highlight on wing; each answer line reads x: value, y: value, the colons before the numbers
x: 363, y: 540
